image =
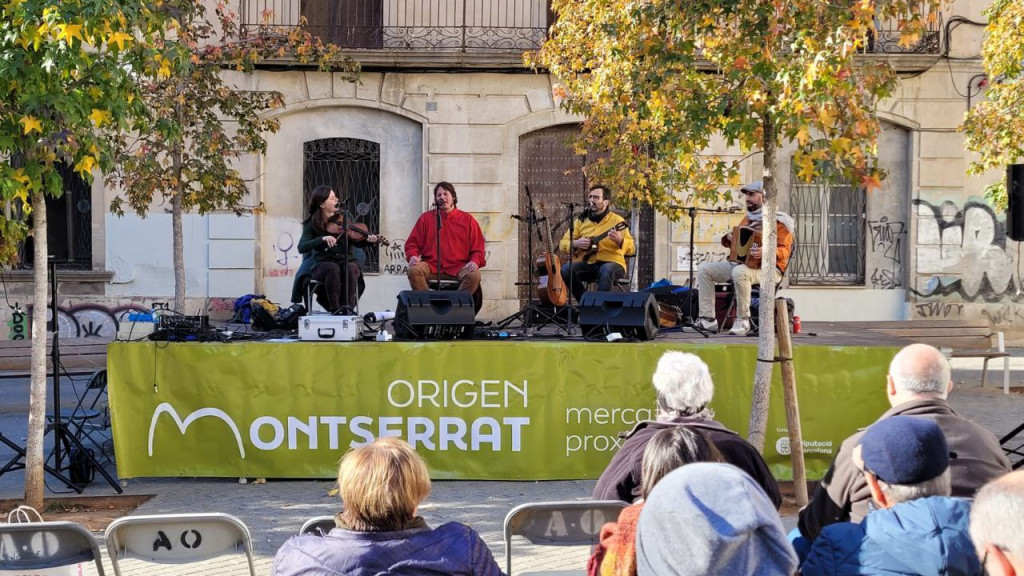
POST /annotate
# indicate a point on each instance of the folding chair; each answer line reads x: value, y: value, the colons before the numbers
x: 37, y: 546
x: 568, y: 523
x: 177, y: 538
x: 318, y: 526
x: 1014, y: 451
x: 88, y: 417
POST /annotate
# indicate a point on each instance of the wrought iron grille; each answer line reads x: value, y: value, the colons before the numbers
x: 830, y: 234
x: 352, y: 168
x: 69, y: 225
x: 885, y: 39
x: 410, y: 24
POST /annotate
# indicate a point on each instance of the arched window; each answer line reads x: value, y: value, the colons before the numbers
x: 352, y: 168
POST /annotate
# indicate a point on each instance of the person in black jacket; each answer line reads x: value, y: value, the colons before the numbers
x: 684, y: 388
x: 330, y: 254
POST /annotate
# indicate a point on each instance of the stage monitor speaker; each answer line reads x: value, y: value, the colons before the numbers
x: 428, y: 315
x: 632, y: 314
x: 1015, y: 197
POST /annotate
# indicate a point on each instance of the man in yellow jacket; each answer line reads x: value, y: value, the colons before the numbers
x: 599, y: 243
x: 743, y: 277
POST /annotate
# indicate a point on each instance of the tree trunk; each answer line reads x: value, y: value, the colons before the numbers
x: 178, y: 238
x: 35, y: 456
x: 766, y: 310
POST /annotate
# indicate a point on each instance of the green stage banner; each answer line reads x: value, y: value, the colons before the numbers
x: 474, y: 410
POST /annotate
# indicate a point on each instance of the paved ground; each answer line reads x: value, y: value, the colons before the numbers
x: 275, y: 510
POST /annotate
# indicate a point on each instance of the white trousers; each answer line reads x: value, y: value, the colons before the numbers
x: 742, y: 277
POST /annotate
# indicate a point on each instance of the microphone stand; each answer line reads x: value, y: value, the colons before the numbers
x: 526, y: 315
x: 349, y: 310
x: 437, y: 240
x: 691, y: 212
x: 570, y: 208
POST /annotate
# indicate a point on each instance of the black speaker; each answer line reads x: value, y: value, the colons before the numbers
x: 632, y: 314
x: 427, y: 315
x: 1015, y: 196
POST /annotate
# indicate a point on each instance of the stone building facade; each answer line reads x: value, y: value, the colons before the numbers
x: 926, y: 245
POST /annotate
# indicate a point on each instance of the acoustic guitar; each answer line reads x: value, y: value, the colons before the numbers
x: 579, y: 255
x: 551, y: 287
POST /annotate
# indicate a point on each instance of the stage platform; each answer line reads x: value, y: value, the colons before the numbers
x: 511, y: 409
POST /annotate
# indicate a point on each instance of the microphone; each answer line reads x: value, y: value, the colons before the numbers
x: 378, y: 316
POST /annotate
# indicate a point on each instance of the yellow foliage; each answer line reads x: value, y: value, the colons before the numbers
x: 31, y: 123
x: 99, y: 117
x: 69, y: 32
x: 85, y: 165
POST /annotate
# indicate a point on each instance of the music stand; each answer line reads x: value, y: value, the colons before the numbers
x: 63, y: 438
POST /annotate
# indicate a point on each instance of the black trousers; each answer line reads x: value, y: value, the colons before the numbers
x: 329, y: 274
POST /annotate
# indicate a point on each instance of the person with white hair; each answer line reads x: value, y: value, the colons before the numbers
x: 918, y: 383
x: 684, y: 390
x: 997, y: 525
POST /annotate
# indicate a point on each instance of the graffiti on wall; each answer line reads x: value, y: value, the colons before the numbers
x: 81, y: 321
x: 887, y: 245
x: 964, y: 251
x: 286, y: 258
x: 282, y: 251
x: 1008, y: 315
x: 392, y: 259
x: 939, y: 310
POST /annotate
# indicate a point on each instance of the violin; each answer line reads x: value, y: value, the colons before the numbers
x: 356, y: 231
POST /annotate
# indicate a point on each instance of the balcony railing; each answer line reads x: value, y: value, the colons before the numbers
x: 410, y: 25
x: 477, y: 32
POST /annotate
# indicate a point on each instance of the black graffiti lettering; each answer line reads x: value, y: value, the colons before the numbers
x: 91, y: 330
x: 971, y: 251
x: 161, y: 541
x: 939, y: 310
x: 196, y: 540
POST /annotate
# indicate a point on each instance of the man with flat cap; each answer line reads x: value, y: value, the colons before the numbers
x: 742, y: 276
x: 916, y: 529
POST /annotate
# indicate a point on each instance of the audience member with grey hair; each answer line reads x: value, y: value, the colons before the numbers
x: 917, y: 529
x: 710, y: 518
x: 684, y: 389
x: 917, y: 385
x: 997, y: 525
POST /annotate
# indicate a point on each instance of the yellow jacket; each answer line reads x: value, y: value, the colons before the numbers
x: 607, y: 251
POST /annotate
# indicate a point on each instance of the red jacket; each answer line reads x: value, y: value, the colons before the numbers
x: 461, y: 241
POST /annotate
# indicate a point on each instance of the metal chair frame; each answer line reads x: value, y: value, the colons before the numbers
x: 44, y: 545
x: 177, y: 538
x: 565, y: 523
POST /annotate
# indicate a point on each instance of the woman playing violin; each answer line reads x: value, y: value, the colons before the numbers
x: 322, y: 239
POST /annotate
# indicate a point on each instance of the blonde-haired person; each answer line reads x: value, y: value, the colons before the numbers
x: 378, y: 531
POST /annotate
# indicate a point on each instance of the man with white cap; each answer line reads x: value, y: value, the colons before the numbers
x: 916, y: 529
x: 743, y: 277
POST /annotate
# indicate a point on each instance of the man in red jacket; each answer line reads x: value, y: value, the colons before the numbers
x: 462, y: 244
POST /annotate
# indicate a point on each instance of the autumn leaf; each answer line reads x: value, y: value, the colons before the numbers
x: 31, y: 123
x: 69, y: 32
x: 99, y: 117
x: 85, y: 165
x: 119, y: 38
x: 870, y: 181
